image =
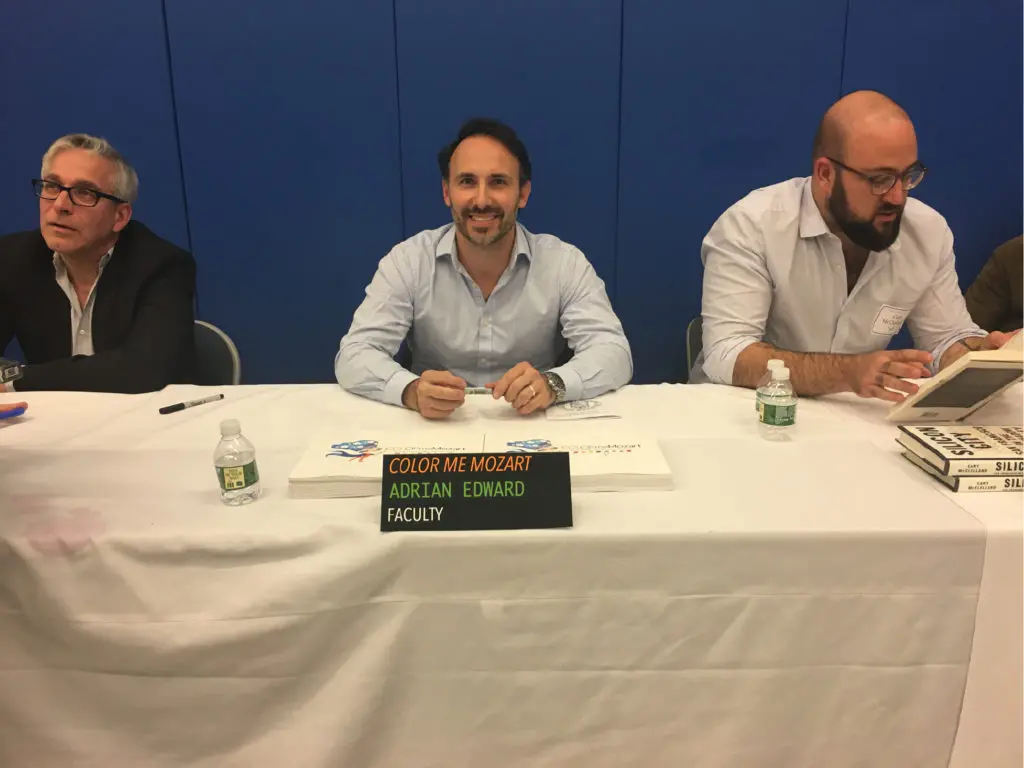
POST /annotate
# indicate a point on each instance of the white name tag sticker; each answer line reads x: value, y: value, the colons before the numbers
x: 889, y: 320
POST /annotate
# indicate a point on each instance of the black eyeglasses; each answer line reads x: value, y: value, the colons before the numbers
x: 881, y: 183
x: 84, y: 196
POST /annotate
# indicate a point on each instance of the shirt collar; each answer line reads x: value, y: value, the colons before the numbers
x: 61, y: 266
x: 812, y: 224
x: 446, y: 245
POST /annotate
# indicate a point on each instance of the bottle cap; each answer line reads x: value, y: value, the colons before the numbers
x: 775, y: 363
x: 230, y: 427
x: 782, y: 373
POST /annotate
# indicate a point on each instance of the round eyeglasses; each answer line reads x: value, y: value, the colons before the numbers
x: 881, y: 183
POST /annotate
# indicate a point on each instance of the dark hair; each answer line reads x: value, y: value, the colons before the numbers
x: 497, y: 130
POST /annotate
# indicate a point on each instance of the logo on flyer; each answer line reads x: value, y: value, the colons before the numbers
x: 535, y: 445
x: 540, y: 445
x: 581, y: 406
x: 359, y: 450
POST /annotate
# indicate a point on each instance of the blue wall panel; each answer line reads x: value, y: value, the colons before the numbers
x: 99, y: 68
x: 717, y: 100
x: 956, y: 68
x: 308, y: 152
x: 289, y: 134
x: 550, y: 69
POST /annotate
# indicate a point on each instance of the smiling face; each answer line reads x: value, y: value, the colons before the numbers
x: 483, y: 191
x: 75, y: 229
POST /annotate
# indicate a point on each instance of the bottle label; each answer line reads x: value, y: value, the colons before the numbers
x: 238, y: 478
x: 777, y: 415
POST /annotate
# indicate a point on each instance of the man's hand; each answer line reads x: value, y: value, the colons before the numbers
x: 994, y: 340
x: 435, y: 394
x: 8, y: 407
x: 525, y: 388
x: 877, y: 373
x: 997, y: 339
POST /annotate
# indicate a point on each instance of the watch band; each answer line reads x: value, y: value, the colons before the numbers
x: 557, y: 386
x: 10, y: 371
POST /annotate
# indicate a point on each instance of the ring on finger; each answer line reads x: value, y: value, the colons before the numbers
x: 533, y: 392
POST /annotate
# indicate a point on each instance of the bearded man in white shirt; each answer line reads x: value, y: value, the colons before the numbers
x: 823, y: 271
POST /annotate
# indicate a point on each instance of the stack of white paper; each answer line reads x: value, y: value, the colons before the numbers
x: 603, y: 456
x: 348, y: 462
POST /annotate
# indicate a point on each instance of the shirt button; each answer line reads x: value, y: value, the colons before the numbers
x: 81, y: 332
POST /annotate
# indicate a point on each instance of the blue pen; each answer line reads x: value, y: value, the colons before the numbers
x: 12, y: 413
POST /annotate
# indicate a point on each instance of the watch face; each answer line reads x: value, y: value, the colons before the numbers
x: 557, y: 385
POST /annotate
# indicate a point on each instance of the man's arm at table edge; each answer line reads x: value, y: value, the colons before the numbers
x: 365, y: 364
x: 602, y: 360
x: 812, y: 373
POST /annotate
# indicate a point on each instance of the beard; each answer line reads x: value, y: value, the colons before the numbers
x: 505, y: 222
x: 864, y: 232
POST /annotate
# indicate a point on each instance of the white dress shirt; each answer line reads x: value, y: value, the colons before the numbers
x: 81, y: 317
x: 549, y: 295
x: 773, y: 272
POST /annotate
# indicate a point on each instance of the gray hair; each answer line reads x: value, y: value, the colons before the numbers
x: 126, y: 181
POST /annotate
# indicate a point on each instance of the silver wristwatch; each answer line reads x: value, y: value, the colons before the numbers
x: 557, y: 386
x: 10, y: 371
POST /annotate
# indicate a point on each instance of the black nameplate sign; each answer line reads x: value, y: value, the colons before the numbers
x: 475, y: 491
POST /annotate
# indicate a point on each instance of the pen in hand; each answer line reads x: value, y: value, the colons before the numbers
x: 189, y: 404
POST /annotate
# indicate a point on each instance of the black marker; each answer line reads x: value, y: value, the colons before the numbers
x: 189, y: 404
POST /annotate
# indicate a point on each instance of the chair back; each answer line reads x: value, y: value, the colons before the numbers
x: 217, y: 360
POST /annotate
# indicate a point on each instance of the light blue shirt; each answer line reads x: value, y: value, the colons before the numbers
x: 548, y: 293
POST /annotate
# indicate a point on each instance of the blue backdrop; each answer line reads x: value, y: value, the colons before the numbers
x: 290, y: 145
x: 712, y: 107
x: 99, y: 68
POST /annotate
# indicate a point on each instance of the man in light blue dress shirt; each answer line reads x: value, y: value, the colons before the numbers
x: 483, y: 302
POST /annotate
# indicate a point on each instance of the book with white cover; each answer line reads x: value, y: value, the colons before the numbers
x: 603, y: 455
x: 349, y: 461
x: 968, y: 484
x: 959, y: 389
x: 960, y: 450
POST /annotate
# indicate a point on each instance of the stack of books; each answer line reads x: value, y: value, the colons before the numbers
x: 967, y: 458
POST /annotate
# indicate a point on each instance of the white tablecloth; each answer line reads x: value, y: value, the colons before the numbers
x: 819, y: 603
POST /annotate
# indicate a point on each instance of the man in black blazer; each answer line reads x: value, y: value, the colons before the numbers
x: 97, y: 301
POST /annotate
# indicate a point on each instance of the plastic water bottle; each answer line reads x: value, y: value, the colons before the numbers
x: 776, y: 407
x: 235, y: 462
x: 773, y: 365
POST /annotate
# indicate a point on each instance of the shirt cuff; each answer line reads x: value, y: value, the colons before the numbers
x: 396, y: 386
x: 572, y: 380
x: 720, y: 365
x: 944, y: 348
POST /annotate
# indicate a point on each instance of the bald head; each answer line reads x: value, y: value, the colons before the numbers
x: 854, y: 117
